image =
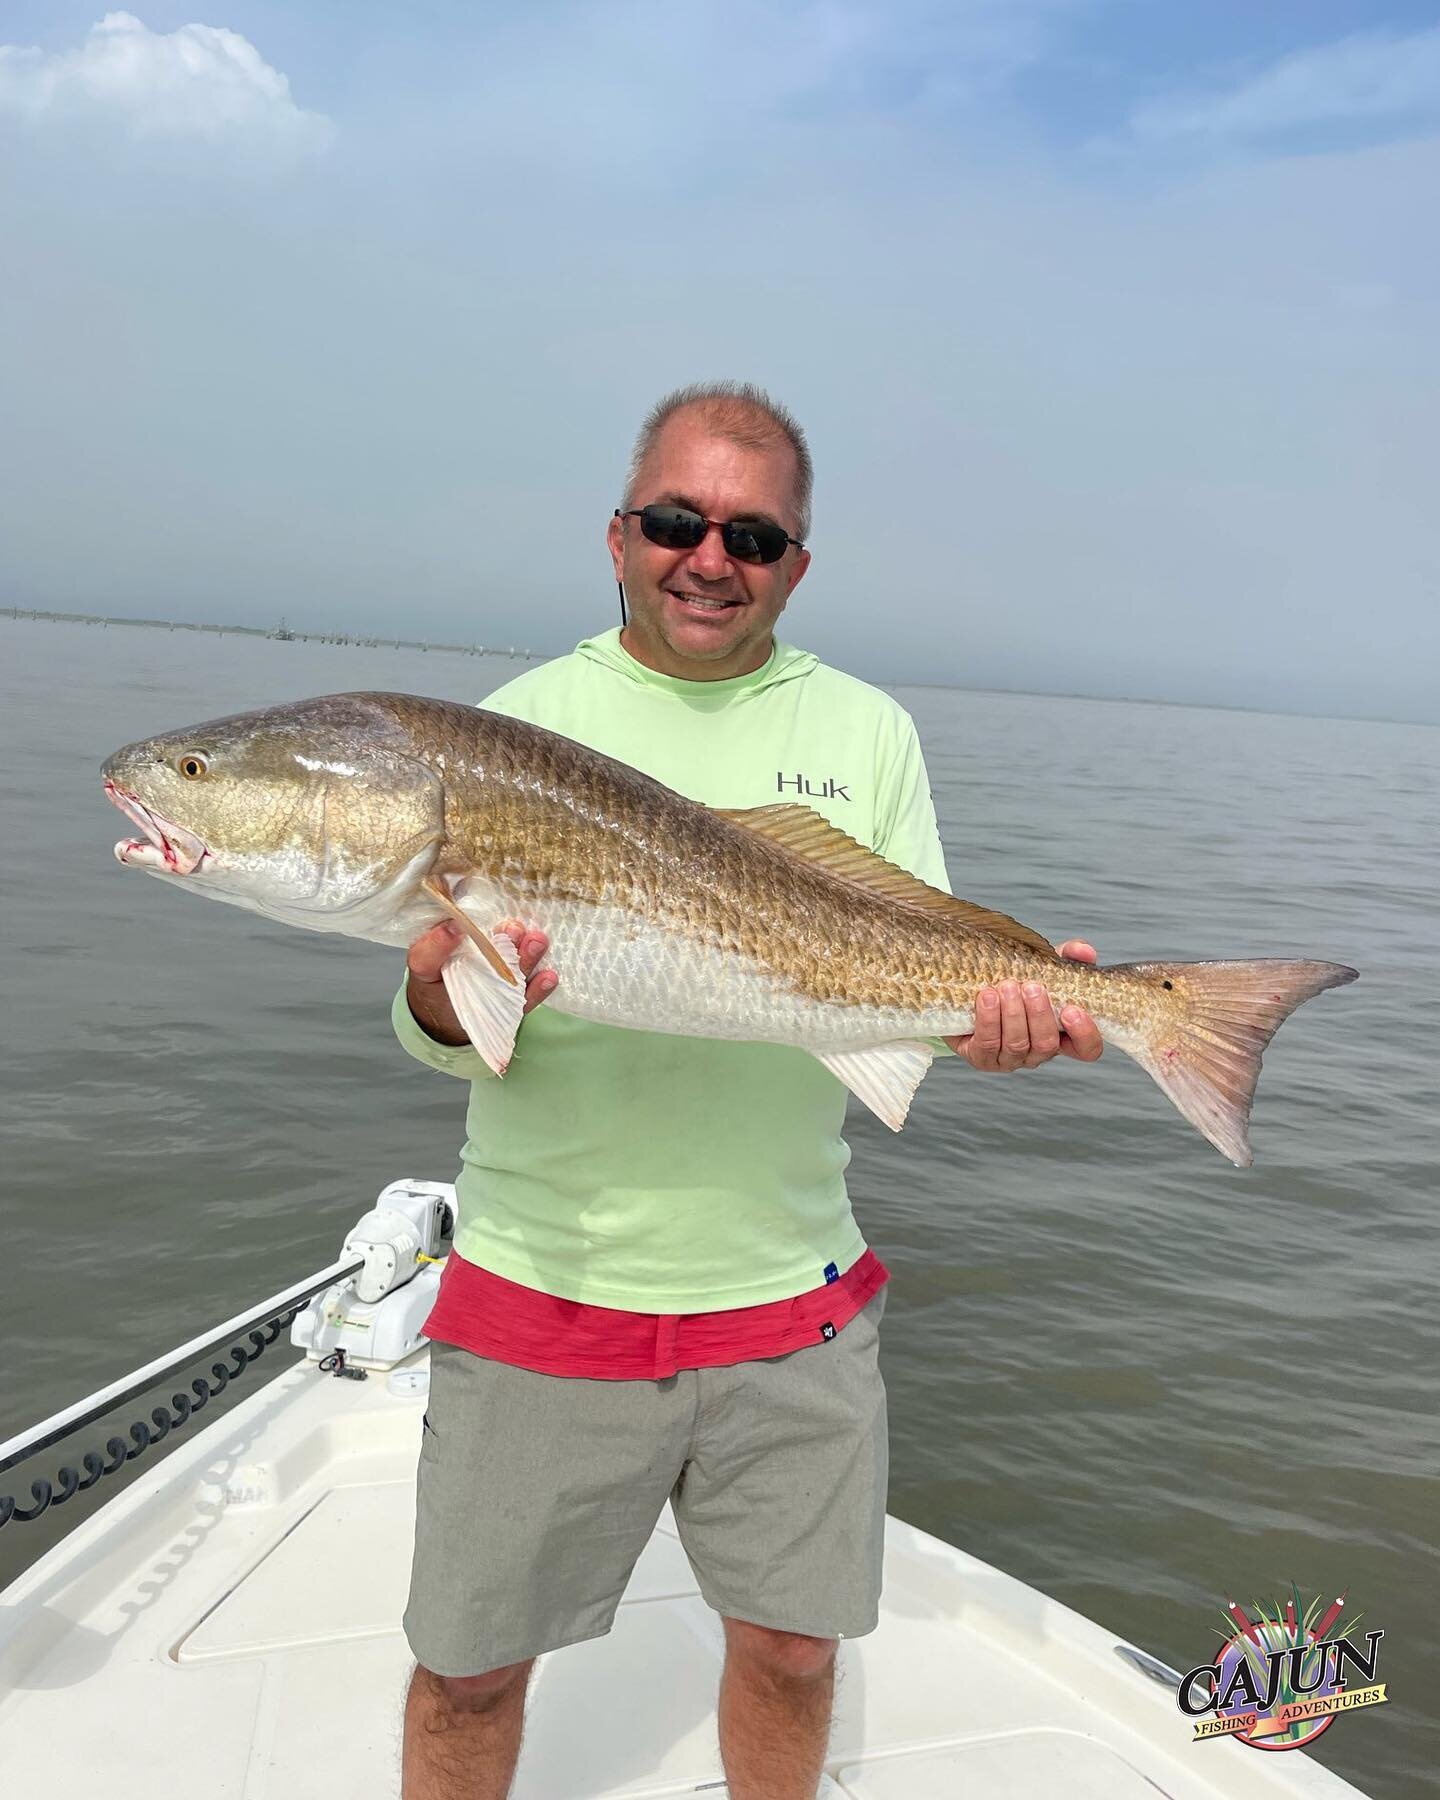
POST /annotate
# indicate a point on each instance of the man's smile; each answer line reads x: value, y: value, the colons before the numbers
x: 708, y: 603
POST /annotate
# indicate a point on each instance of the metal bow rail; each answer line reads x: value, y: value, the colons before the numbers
x: 263, y: 1323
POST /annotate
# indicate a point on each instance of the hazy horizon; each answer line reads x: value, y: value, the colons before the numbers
x: 1114, y: 330
x: 533, y: 653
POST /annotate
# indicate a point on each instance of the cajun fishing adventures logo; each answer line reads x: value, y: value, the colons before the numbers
x: 1279, y: 1679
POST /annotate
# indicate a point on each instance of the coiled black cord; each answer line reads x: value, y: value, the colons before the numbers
x: 71, y: 1481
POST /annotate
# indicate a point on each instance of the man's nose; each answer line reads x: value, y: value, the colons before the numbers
x: 709, y: 559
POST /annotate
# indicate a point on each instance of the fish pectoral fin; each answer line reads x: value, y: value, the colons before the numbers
x: 884, y: 1077
x: 810, y: 837
x: 489, y: 1007
x: 482, y: 942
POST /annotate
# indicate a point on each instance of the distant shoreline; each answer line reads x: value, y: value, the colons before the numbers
x: 368, y: 641
x: 280, y: 633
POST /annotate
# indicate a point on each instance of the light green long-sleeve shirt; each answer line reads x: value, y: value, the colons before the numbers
x: 671, y: 1174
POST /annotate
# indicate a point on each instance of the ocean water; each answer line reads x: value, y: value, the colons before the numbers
x: 1119, y: 1368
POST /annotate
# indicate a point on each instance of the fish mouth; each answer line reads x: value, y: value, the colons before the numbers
x: 166, y: 848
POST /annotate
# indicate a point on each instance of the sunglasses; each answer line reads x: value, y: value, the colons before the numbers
x: 678, y: 528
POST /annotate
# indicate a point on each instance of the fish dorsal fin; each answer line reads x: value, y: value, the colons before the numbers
x: 806, y: 834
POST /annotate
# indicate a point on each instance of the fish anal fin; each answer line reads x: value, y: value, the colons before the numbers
x: 808, y: 836
x: 485, y: 944
x: 885, y: 1076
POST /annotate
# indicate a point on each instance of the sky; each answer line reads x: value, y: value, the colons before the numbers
x: 1113, y: 324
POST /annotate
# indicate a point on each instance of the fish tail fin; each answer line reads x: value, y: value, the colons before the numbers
x: 1206, y: 1055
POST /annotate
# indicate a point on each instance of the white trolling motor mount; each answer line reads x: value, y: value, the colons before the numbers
x: 371, y: 1318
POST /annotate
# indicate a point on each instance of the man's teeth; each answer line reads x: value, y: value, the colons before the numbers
x: 709, y: 605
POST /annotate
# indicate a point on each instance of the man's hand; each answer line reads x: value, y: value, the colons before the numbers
x: 425, y: 990
x: 1015, y: 1025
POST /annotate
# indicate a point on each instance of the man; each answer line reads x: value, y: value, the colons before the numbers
x: 658, y: 1289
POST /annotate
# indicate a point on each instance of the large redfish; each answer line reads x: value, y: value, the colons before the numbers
x: 379, y: 814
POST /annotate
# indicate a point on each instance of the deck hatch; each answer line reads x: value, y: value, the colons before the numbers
x: 1022, y: 1762
x: 344, y: 1573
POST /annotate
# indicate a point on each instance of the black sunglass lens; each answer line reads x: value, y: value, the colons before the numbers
x: 672, y: 527
x: 755, y: 542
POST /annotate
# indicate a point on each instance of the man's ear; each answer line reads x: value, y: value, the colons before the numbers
x: 615, y: 538
x: 802, y: 563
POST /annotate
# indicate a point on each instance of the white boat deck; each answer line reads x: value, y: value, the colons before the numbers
x: 229, y: 1628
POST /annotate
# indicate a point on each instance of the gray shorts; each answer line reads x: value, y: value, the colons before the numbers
x: 537, y: 1493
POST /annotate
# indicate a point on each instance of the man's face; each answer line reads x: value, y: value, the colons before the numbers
x: 699, y: 614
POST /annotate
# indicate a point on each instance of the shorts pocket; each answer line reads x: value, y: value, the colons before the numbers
x: 429, y: 1439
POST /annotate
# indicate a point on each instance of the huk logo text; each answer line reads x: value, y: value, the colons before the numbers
x: 829, y: 789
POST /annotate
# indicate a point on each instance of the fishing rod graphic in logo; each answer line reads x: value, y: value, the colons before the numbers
x: 1279, y: 1680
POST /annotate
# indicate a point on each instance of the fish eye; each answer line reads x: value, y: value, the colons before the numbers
x: 192, y: 765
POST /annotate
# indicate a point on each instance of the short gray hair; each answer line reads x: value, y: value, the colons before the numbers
x: 745, y: 414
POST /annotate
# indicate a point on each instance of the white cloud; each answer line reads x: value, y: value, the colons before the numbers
x: 198, y: 82
x: 1370, y: 76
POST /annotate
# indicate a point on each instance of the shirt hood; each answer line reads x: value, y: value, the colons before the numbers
x: 785, y: 663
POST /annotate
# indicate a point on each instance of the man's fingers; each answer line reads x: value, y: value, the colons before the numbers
x: 1014, y: 1026
x: 540, y: 987
x: 532, y: 945
x: 429, y: 951
x: 1082, y: 1038
x: 1044, y: 1033
x: 1079, y: 951
x: 984, y: 1041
